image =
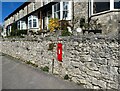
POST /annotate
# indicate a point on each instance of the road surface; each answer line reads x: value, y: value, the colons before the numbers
x: 17, y: 75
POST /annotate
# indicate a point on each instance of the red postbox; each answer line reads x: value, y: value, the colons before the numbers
x: 59, y: 52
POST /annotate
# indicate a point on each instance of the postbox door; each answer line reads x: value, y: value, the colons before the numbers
x: 59, y: 52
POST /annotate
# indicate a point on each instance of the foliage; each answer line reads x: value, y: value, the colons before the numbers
x: 82, y: 22
x: 29, y: 62
x: 53, y: 24
x: 64, y: 24
x: 16, y: 32
x: 13, y: 29
x: 65, y: 33
x: 93, y: 24
x: 46, y: 69
x: 51, y: 46
x: 66, y: 77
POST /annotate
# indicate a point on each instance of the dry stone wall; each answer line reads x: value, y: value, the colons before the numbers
x: 91, y: 62
x: 109, y: 21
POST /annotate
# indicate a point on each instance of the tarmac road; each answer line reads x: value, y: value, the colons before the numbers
x: 17, y: 75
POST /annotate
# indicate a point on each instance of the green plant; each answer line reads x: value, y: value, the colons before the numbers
x: 13, y: 29
x: 30, y: 63
x: 66, y: 77
x: 82, y: 22
x: 53, y: 24
x: 51, y: 46
x: 46, y: 69
x: 92, y: 24
x: 65, y: 33
x: 64, y: 24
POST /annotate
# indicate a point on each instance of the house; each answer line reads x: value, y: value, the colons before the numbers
x: 35, y: 15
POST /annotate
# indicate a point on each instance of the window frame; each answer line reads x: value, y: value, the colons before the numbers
x: 112, y: 7
x: 31, y: 18
x: 69, y: 11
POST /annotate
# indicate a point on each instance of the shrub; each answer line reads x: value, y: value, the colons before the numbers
x: 82, y: 22
x: 53, y: 24
x: 46, y: 69
x: 13, y: 29
x: 51, y: 46
x: 64, y: 24
x: 65, y: 33
x: 30, y: 63
x: 66, y: 77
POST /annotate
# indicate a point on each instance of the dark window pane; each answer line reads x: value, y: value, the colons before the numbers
x: 57, y: 15
x: 65, y: 14
x: 117, y: 4
x: 30, y: 23
x: 58, y: 6
x: 34, y: 23
x: 54, y: 8
x: 101, y: 6
x: 65, y: 5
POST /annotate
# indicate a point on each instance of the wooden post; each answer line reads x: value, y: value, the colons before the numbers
x: 52, y: 65
x: 40, y: 21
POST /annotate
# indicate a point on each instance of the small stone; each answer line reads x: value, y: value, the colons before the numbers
x: 74, y: 79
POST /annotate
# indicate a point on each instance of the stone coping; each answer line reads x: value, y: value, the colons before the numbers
x: 105, y: 12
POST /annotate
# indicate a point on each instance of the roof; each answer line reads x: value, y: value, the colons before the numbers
x: 14, y: 12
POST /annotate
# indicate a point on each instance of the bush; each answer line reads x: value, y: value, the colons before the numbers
x: 51, y: 46
x: 65, y: 33
x: 53, y: 24
x: 18, y: 32
x: 66, y: 77
x: 30, y: 63
x: 46, y: 69
x: 64, y: 24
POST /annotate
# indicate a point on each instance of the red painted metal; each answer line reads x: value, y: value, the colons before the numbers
x: 59, y: 52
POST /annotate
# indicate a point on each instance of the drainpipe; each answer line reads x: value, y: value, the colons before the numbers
x: 88, y: 13
x: 40, y: 21
x: 27, y: 21
x: 72, y: 14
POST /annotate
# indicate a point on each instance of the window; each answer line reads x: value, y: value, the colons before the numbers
x: 65, y: 10
x: 18, y: 25
x: 117, y: 4
x: 62, y: 10
x: 57, y: 10
x: 30, y: 23
x: 22, y: 24
x: 33, y: 21
x: 101, y: 6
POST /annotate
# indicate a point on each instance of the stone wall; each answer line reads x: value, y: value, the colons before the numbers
x: 109, y: 20
x: 91, y: 62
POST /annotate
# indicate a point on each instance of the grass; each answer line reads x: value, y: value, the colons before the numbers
x: 30, y: 63
x: 66, y: 77
x: 46, y: 69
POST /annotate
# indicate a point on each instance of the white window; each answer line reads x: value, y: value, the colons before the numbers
x: 57, y: 10
x: 97, y: 7
x: 22, y: 26
x: 62, y: 10
x: 32, y: 22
